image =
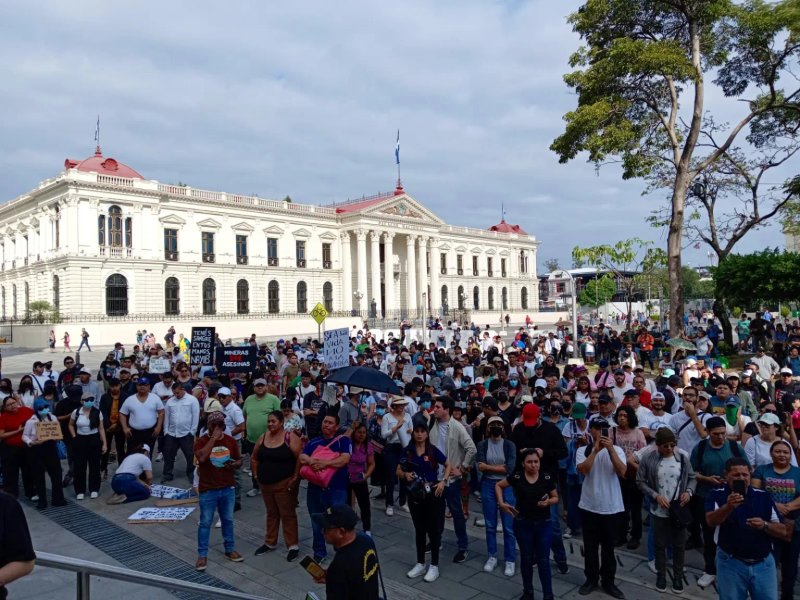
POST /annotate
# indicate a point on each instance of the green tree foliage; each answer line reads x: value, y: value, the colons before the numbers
x: 640, y: 77
x: 768, y: 276
x: 598, y: 291
x: 551, y: 264
x: 40, y: 310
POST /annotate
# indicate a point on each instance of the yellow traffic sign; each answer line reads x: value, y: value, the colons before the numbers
x: 319, y: 313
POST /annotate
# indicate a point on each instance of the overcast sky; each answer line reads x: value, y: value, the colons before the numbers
x: 305, y: 98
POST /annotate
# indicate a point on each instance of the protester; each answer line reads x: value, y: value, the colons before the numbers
x: 630, y: 438
x: 360, y: 469
x: 758, y: 447
x: 142, y: 415
x: 43, y: 457
x: 181, y: 419
x: 13, y: 451
x: 88, y: 446
x: 133, y: 478
x: 110, y: 403
x: 396, y: 431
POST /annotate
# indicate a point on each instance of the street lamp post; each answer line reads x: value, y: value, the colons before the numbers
x: 564, y: 276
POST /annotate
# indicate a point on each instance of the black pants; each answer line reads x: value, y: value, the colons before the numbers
x: 86, y: 450
x: 360, y: 489
x: 392, y: 454
x: 632, y: 499
x: 44, y: 459
x: 141, y: 436
x: 171, y: 446
x: 709, y: 546
x: 117, y: 437
x: 15, y: 461
x: 426, y: 514
x: 599, y: 532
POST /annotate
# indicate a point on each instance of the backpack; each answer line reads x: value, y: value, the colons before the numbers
x: 701, y: 450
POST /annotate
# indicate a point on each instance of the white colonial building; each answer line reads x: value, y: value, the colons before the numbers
x: 100, y: 241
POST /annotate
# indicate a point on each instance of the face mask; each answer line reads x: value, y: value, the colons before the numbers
x: 380, y: 411
x: 439, y: 373
x: 399, y: 382
x: 463, y: 384
x: 420, y: 368
x: 513, y: 382
x: 44, y: 412
x: 88, y: 403
x: 425, y: 405
x: 495, y: 431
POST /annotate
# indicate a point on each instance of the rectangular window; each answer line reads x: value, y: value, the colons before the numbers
x: 475, y: 266
x: 208, y: 246
x: 460, y: 264
x: 170, y: 244
x: 489, y: 271
x: 327, y: 263
x: 502, y: 267
x: 241, y: 249
x: 272, y: 252
x: 300, y: 252
x: 443, y: 263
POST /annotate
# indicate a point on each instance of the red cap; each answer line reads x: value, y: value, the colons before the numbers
x: 530, y: 414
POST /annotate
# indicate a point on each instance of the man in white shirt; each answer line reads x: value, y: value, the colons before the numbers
x: 181, y: 417
x: 601, y: 463
x: 141, y: 415
x: 163, y: 389
x: 234, y: 426
x: 620, y: 386
x: 689, y: 423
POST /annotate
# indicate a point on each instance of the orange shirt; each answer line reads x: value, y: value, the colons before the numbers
x: 645, y: 341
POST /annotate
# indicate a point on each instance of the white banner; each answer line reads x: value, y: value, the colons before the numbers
x: 161, y: 515
x: 337, y: 348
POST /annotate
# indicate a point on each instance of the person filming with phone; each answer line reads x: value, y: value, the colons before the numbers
x: 746, y: 520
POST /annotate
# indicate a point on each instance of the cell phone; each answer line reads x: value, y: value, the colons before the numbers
x: 604, y: 431
x: 514, y: 511
x: 313, y: 568
x: 739, y: 487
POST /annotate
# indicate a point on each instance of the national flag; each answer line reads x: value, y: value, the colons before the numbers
x: 397, y: 149
x: 97, y: 131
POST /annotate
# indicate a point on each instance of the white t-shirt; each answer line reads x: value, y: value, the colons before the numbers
x: 685, y: 431
x: 233, y: 418
x: 142, y: 415
x: 82, y: 424
x: 135, y: 464
x: 601, y: 492
x: 669, y: 477
x: 757, y: 452
x: 644, y: 415
x: 162, y: 390
x: 618, y: 393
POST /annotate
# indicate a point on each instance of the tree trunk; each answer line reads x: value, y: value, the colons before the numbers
x: 674, y: 253
x: 721, y: 313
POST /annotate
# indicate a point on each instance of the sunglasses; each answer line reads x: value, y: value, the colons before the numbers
x: 668, y: 445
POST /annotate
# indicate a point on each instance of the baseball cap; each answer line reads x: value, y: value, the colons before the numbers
x: 769, y: 419
x: 260, y: 381
x: 668, y: 373
x: 224, y: 391
x: 531, y: 414
x: 598, y: 423
x: 603, y: 363
x: 146, y: 447
x: 578, y: 410
x: 85, y: 370
x: 784, y: 371
x: 141, y: 381
x: 540, y: 383
x: 658, y: 395
x: 732, y: 401
x: 732, y: 376
x: 619, y: 372
x: 495, y: 420
x: 747, y: 373
x: 336, y: 516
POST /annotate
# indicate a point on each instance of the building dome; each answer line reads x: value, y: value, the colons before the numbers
x: 503, y: 227
x: 104, y: 166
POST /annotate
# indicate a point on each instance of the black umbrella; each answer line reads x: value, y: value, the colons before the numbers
x: 364, y: 377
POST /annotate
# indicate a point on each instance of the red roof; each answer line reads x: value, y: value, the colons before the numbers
x: 503, y: 227
x: 358, y: 206
x: 103, y: 166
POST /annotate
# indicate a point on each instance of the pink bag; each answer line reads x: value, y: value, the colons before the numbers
x: 321, y: 478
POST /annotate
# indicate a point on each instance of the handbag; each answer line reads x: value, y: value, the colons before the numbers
x: 680, y: 517
x: 321, y: 478
x: 61, y: 448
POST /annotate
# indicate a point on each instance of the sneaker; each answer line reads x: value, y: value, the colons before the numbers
x: 293, y: 554
x: 651, y: 564
x: 460, y: 556
x: 677, y: 586
x: 567, y: 535
x: 491, y: 564
x: 418, y: 570
x: 633, y: 544
x: 432, y: 574
x: 117, y: 499
x: 252, y: 493
x: 201, y: 564
x: 479, y: 522
x: 234, y: 556
x: 588, y: 587
x: 79, y: 497
x: 263, y: 549
x: 661, y: 583
x: 218, y: 524
x: 613, y: 591
x: 389, y: 511
x: 510, y: 569
x: 563, y: 568
x: 706, y: 579
x: 94, y: 495
x: 34, y: 498
x: 160, y: 457
x: 476, y: 493
x: 368, y: 534
x: 406, y: 508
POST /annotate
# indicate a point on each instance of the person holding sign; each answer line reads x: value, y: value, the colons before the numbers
x: 43, y: 453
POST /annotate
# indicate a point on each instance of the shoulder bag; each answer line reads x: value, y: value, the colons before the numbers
x: 321, y: 478
x: 679, y: 516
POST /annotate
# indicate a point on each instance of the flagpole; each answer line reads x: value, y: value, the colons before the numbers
x: 397, y: 160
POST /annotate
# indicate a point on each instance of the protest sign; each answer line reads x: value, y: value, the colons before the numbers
x: 201, y: 351
x: 337, y: 348
x: 236, y: 359
x: 165, y: 514
x: 409, y: 372
x: 169, y: 492
x: 48, y: 430
x: 158, y: 365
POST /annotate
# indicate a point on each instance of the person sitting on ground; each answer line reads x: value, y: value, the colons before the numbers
x: 134, y: 476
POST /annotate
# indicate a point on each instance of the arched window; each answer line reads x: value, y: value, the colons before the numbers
x: 129, y: 232
x: 302, y: 297
x: 491, y: 298
x: 116, y: 295
x: 56, y: 292
x: 27, y: 300
x: 172, y: 296
x: 524, y: 298
x: 445, y: 299
x: 327, y: 296
x: 101, y: 230
x: 476, y: 298
x: 461, y: 297
x: 115, y: 227
x: 505, y: 299
x: 14, y: 300
x: 273, y: 297
x: 209, y: 297
x: 242, y: 297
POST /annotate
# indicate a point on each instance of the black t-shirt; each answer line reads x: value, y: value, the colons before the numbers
x: 529, y: 494
x: 15, y: 538
x: 313, y: 422
x: 353, y: 574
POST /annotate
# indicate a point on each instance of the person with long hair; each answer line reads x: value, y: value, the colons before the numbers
x: 420, y: 464
x: 88, y: 446
x: 630, y: 438
x: 43, y: 457
x: 360, y: 468
x: 275, y: 463
x: 534, y: 493
x: 26, y: 392
x: 12, y: 449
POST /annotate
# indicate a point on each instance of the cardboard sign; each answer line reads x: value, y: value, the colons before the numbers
x: 201, y: 351
x: 164, y: 514
x: 236, y: 359
x: 158, y: 365
x: 409, y: 372
x: 329, y: 394
x: 337, y: 348
x: 169, y: 492
x: 48, y: 430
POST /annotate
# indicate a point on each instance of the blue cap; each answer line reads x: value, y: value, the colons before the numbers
x: 39, y: 404
x: 603, y: 363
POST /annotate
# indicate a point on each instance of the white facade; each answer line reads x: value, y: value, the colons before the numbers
x: 71, y: 238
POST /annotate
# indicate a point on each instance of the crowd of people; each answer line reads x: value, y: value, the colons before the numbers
x: 500, y: 432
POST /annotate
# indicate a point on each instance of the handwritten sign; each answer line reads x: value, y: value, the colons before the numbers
x: 201, y: 351
x: 409, y: 372
x: 159, y: 364
x: 236, y: 359
x: 337, y: 348
x: 165, y: 514
x: 169, y: 492
x: 48, y: 430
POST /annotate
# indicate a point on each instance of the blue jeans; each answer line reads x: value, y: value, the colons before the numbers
x: 489, y: 507
x: 573, y: 498
x: 129, y: 485
x: 220, y: 500
x: 534, y: 539
x: 452, y: 494
x: 317, y: 500
x: 557, y: 544
x: 735, y: 578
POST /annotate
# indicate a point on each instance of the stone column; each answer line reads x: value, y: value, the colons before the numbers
x: 347, y: 272
x: 411, y: 274
x: 388, y: 272
x: 436, y: 297
x: 361, y: 257
x: 422, y: 273
x: 375, y: 275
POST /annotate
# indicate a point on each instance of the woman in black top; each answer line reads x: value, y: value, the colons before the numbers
x: 275, y: 462
x: 534, y: 492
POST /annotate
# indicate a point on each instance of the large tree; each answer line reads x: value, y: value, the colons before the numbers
x: 768, y: 276
x: 598, y: 291
x: 641, y: 83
